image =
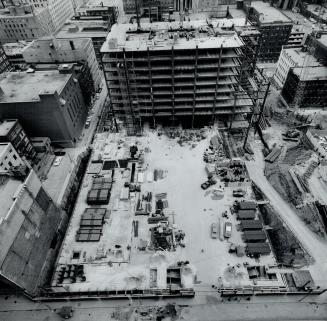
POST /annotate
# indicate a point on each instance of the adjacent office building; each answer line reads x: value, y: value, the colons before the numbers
x: 306, y: 87
x: 46, y: 103
x: 24, y: 22
x: 274, y: 26
x: 12, y: 132
x: 14, y: 53
x: 97, y: 31
x: 292, y: 57
x: 59, y: 10
x: 106, y: 10
x: 4, y: 62
x: 10, y: 159
x: 166, y: 73
x: 51, y: 50
x: 30, y: 232
x: 318, y: 42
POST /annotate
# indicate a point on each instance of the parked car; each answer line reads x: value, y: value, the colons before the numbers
x: 208, y: 183
x: 239, y: 192
x: 228, y: 229
x: 214, y: 230
x: 87, y: 124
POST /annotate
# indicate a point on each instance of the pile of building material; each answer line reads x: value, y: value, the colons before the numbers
x: 100, y: 191
x: 273, y: 155
x: 162, y: 237
x: 70, y: 273
x: 91, y: 223
x: 232, y: 171
x: 215, y: 152
x: 144, y: 205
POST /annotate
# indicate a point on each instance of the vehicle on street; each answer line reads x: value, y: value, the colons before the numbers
x: 214, y: 230
x: 228, y: 230
x: 97, y: 175
x: 87, y: 124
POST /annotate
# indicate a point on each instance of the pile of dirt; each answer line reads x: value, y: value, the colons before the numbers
x: 287, y: 248
x: 310, y: 215
x: 297, y: 155
x: 280, y: 178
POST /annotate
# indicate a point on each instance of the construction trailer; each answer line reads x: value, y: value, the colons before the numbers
x: 247, y: 205
x: 246, y: 214
x: 190, y: 73
x: 255, y: 236
x: 257, y: 249
x: 251, y: 225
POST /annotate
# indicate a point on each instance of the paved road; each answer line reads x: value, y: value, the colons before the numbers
x: 315, y: 246
x: 204, y: 307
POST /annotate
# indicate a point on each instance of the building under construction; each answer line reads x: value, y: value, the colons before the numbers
x: 191, y: 74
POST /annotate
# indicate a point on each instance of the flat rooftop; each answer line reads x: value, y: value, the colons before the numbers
x: 268, y: 13
x: 101, y: 3
x: 299, y: 57
x: 23, y: 86
x: 8, y: 188
x: 6, y: 125
x: 14, y: 48
x: 312, y: 73
x: 164, y: 35
x: 83, y: 29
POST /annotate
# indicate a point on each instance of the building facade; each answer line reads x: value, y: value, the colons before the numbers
x: 9, y: 158
x: 30, y: 232
x: 97, y: 31
x: 106, y: 10
x: 274, y: 26
x: 59, y: 10
x: 46, y: 103
x: 23, y: 22
x: 14, y: 53
x: 306, y: 87
x: 173, y: 77
x: 52, y: 50
x: 12, y: 132
x: 4, y: 62
x: 289, y: 58
x: 318, y: 43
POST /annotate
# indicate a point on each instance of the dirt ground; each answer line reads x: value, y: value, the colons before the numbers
x: 287, y: 248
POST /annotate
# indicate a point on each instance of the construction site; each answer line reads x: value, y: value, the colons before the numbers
x: 204, y: 180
